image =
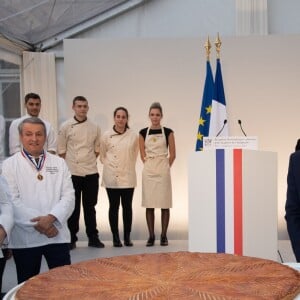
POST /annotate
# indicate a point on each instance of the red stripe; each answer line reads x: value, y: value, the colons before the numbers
x: 238, y: 202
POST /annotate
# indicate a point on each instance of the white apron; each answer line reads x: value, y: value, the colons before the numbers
x: 156, y: 177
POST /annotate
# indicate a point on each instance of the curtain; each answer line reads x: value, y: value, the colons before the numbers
x: 251, y: 17
x: 39, y: 77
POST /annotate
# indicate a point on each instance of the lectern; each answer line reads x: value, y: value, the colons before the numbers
x: 233, y: 202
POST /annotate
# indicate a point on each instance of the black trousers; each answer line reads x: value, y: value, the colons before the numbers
x: 2, y: 265
x: 115, y: 196
x: 28, y: 260
x: 86, y: 188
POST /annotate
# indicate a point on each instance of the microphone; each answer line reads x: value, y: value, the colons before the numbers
x: 225, y: 122
x: 240, y: 123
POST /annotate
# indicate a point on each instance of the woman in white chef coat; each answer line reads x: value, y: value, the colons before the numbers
x: 118, y: 153
x: 157, y: 149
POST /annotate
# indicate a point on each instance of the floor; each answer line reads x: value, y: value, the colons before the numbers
x: 83, y: 252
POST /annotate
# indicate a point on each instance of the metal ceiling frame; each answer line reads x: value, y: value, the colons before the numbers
x: 14, y: 46
x: 120, y: 9
x: 18, y: 46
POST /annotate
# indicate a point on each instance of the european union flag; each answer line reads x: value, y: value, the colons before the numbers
x: 218, y: 111
x: 204, y: 120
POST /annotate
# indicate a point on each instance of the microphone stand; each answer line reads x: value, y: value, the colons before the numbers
x: 225, y: 121
x: 240, y: 123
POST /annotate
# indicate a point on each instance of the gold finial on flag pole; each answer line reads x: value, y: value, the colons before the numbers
x: 218, y: 44
x: 207, y: 47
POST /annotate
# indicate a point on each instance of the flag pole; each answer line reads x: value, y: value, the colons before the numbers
x: 207, y: 47
x: 218, y: 110
x: 218, y: 44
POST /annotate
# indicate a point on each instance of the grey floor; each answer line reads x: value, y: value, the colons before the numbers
x: 83, y: 252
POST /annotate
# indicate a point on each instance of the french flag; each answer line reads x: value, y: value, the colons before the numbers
x: 229, y: 201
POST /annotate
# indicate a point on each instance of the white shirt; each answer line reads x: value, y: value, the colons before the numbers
x: 31, y: 197
x: 14, y: 140
x: 118, y: 153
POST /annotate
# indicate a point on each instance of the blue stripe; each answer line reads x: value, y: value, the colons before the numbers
x: 220, y: 191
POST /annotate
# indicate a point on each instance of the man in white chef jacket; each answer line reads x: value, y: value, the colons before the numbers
x: 43, y: 200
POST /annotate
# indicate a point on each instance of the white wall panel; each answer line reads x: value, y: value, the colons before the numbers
x: 261, y: 87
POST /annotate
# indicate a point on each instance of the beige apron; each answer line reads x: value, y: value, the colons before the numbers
x: 156, y: 178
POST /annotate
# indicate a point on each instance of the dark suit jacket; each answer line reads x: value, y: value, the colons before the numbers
x: 292, y: 206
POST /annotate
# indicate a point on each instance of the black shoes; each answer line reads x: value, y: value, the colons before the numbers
x: 151, y: 241
x: 127, y: 240
x: 164, y: 241
x: 93, y: 242
x: 72, y: 245
x: 117, y: 242
x: 128, y: 243
x: 96, y: 243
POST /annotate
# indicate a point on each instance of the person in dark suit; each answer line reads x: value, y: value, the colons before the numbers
x: 292, y: 206
x: 297, y: 147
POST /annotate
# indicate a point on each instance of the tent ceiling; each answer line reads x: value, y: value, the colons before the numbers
x: 33, y: 21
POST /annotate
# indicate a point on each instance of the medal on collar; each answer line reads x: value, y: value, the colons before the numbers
x: 37, y: 163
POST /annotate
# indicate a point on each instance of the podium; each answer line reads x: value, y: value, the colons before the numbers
x: 233, y: 202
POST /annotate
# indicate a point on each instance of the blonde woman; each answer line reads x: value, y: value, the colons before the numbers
x: 157, y: 149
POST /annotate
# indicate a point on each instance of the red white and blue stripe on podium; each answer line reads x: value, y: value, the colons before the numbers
x: 229, y: 201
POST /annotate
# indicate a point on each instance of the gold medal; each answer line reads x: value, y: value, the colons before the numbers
x: 37, y: 162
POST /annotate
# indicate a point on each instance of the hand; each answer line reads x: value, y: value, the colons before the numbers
x: 2, y: 235
x: 51, y: 232
x: 45, y: 225
x: 8, y: 254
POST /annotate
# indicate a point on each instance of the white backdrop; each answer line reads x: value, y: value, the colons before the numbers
x: 260, y: 76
